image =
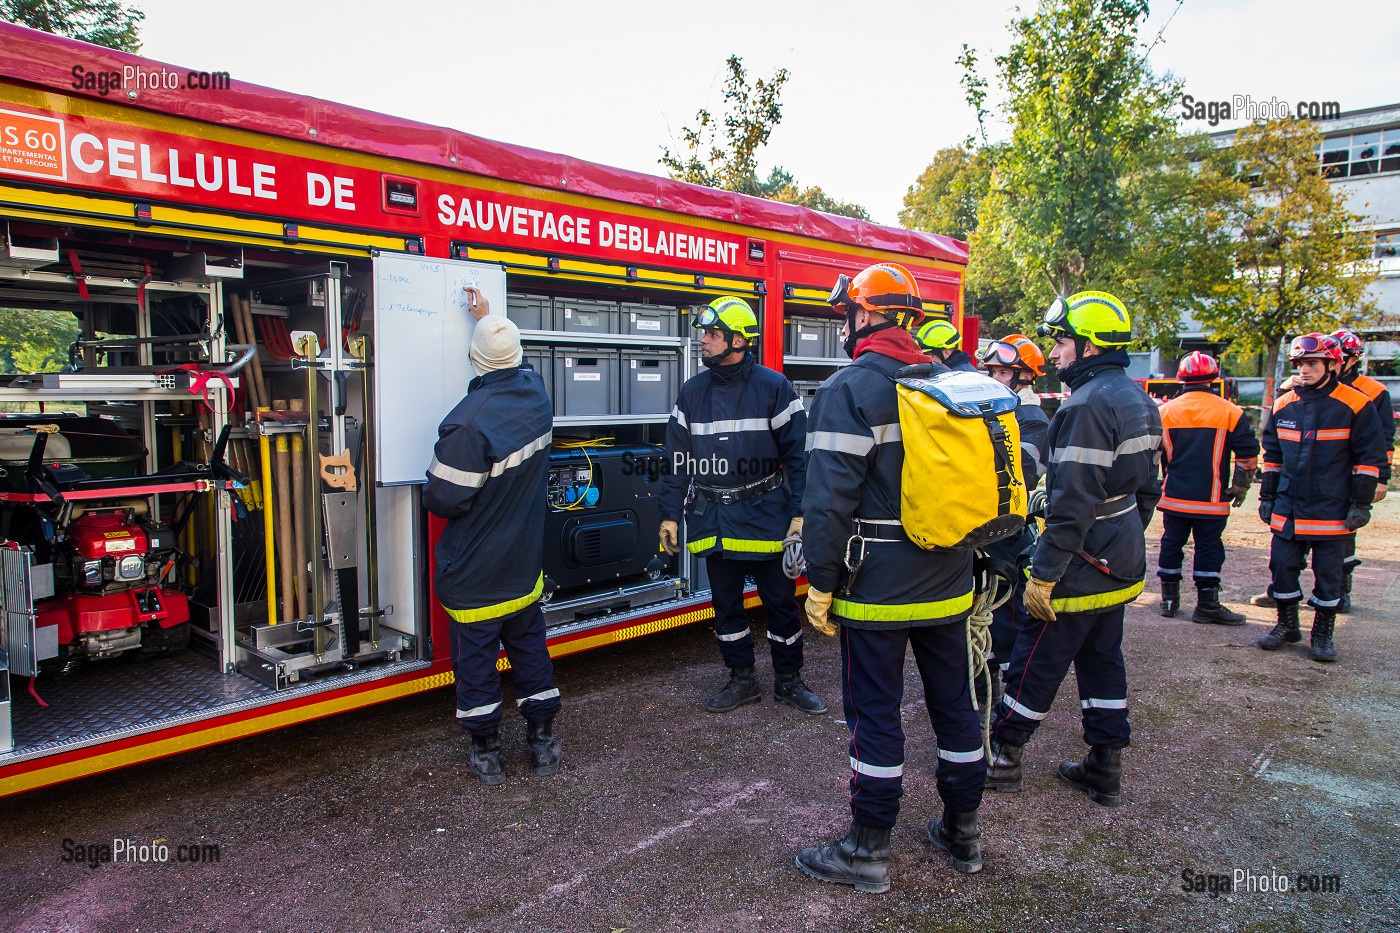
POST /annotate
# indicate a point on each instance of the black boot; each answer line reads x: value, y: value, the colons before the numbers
x: 545, y: 750
x: 1345, y: 605
x: 741, y: 689
x: 1286, y: 629
x: 1100, y: 774
x: 957, y: 834
x: 789, y: 689
x: 1324, y: 623
x: 1171, y: 598
x: 861, y: 859
x: 1004, y: 771
x: 1209, y: 610
x: 486, y: 760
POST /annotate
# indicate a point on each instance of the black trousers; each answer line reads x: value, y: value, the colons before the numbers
x: 475, y: 648
x: 1287, y: 557
x: 1210, y: 550
x: 1008, y: 619
x: 779, y: 597
x: 872, y: 686
x: 1039, y: 663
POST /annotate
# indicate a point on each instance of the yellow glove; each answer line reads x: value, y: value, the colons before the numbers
x: 818, y: 610
x: 1381, y: 490
x: 795, y: 528
x: 670, y: 537
x: 1038, y: 599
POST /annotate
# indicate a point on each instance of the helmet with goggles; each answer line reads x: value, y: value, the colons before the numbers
x: 887, y: 289
x: 1095, y: 317
x: 729, y: 315
x: 1015, y: 351
x: 1315, y: 347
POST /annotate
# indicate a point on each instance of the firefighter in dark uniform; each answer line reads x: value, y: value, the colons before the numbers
x: 1016, y: 362
x: 735, y: 449
x: 1323, y: 454
x: 1090, y: 561
x: 899, y: 595
x: 488, y: 479
x: 943, y: 342
x: 1201, y: 432
x: 1352, y: 350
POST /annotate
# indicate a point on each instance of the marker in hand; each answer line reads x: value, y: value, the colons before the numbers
x: 476, y: 302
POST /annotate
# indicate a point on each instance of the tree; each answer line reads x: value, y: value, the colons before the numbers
x: 1084, y: 109
x: 731, y: 163
x: 1302, y: 258
x: 36, y: 341
x: 109, y: 23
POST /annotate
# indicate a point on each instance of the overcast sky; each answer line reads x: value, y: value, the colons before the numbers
x: 873, y: 91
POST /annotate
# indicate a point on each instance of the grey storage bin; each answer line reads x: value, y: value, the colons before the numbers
x: 585, y: 316
x: 650, y: 320
x: 807, y: 337
x: 806, y: 390
x: 530, y: 312
x: 586, y: 381
x: 650, y: 382
x: 542, y: 360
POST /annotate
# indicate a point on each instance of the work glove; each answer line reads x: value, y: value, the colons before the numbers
x: 1038, y: 599
x: 670, y: 537
x: 1381, y: 490
x: 819, y: 611
x: 1237, y: 495
x: 1358, y: 516
x: 1239, y: 486
x: 794, y: 527
x: 1266, y: 510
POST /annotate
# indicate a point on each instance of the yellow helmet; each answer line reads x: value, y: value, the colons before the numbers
x: 1097, y: 317
x: 939, y: 335
x: 729, y: 314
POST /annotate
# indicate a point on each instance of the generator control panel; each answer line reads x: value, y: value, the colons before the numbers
x: 572, y: 486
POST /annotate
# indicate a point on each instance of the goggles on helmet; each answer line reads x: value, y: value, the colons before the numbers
x: 1053, y: 324
x: 1000, y: 353
x: 1309, y: 343
x: 708, y: 318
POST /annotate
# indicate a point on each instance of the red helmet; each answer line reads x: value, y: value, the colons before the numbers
x: 1198, y: 367
x: 1315, y: 347
x: 1352, y: 345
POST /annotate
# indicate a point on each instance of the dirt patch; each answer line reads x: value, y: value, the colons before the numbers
x: 665, y: 817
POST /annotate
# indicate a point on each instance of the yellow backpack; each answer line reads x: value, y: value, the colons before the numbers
x: 962, y: 485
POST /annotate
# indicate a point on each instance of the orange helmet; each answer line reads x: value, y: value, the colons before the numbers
x: 886, y: 288
x: 1016, y: 351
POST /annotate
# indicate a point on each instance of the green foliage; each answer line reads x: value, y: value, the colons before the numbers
x: 1302, y: 258
x: 108, y: 23
x: 945, y: 196
x: 1085, y: 109
x: 731, y: 163
x: 36, y: 341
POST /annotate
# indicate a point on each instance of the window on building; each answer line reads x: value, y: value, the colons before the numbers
x: 1390, y: 150
x: 1365, y: 154
x: 1387, y: 246
x: 1336, y: 153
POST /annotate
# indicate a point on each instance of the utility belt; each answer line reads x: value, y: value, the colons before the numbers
x: 867, y: 531
x: 1116, y: 506
x: 728, y: 495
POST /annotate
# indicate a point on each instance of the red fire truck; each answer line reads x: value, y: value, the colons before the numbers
x: 209, y: 520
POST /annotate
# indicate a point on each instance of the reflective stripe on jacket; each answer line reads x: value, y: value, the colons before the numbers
x: 1200, y: 433
x: 1385, y: 410
x: 488, y: 479
x: 731, y: 426
x: 856, y: 456
x: 1322, y: 452
x: 1102, y: 487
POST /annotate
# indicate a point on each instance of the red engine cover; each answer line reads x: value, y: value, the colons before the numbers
x: 76, y: 613
x: 98, y: 534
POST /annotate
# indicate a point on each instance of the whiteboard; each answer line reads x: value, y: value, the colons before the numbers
x: 422, y: 332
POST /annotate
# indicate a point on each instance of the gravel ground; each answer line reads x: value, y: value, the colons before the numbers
x: 667, y: 818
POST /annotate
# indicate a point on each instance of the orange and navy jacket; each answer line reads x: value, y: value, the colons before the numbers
x: 1200, y: 433
x: 1380, y: 397
x: 1323, y: 452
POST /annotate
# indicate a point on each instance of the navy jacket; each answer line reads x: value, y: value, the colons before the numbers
x: 853, y: 471
x: 488, y: 479
x: 1322, y: 454
x: 735, y: 425
x: 1385, y: 410
x: 1200, y: 433
x: 1101, y: 486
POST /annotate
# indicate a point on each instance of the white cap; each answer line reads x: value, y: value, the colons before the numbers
x: 495, y: 345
